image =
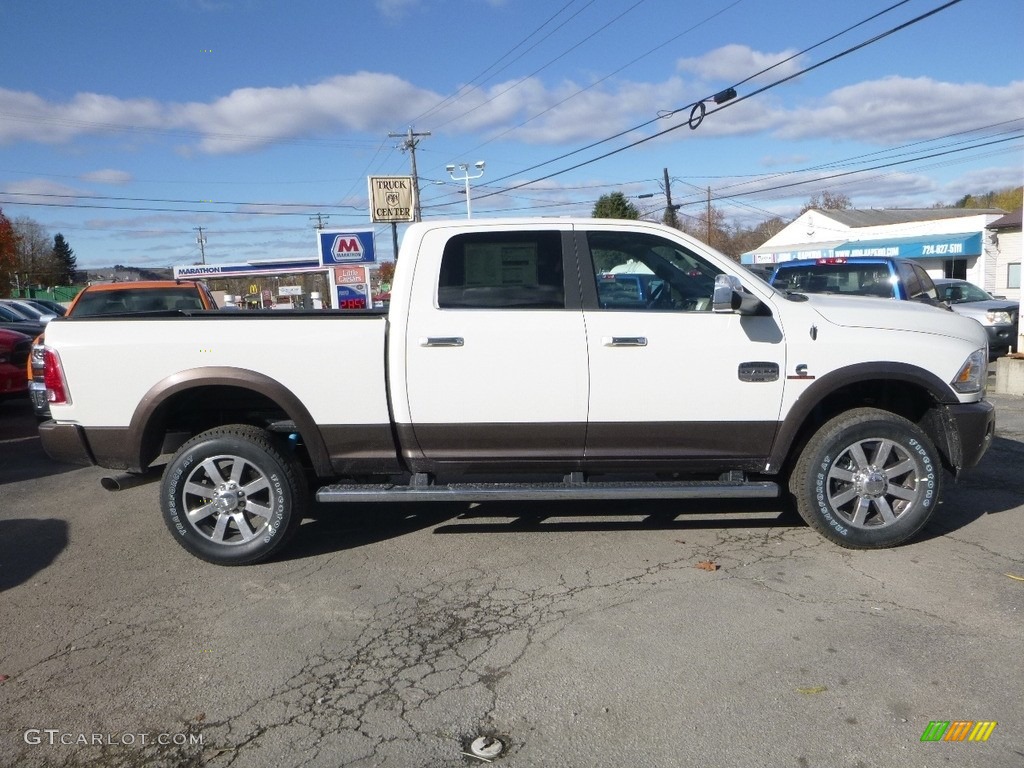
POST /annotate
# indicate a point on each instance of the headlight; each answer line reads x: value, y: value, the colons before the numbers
x: 998, y: 318
x: 973, y: 374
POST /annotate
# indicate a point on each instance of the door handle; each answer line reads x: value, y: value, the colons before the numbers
x: 624, y: 341
x: 442, y: 341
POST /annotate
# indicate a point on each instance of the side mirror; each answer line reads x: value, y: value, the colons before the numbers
x: 729, y: 297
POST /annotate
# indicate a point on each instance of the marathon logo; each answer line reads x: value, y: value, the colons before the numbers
x: 346, y: 248
x: 193, y: 271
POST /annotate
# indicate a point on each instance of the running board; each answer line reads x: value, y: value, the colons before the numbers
x: 551, y: 491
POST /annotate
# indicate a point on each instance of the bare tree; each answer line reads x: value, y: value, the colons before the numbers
x: 34, y: 253
x: 827, y: 201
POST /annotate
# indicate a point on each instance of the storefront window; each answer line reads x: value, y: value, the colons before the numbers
x: 955, y: 269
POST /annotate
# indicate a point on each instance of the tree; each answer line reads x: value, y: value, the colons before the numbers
x: 1008, y: 199
x: 744, y: 240
x: 8, y: 255
x: 386, y: 274
x: 716, y: 235
x: 615, y: 206
x: 34, y: 253
x: 64, y: 260
x: 828, y: 201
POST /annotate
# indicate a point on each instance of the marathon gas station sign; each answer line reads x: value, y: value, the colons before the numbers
x: 347, y: 255
x: 262, y: 267
x: 344, y: 255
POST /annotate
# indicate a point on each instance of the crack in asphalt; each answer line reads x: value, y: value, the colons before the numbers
x: 419, y: 670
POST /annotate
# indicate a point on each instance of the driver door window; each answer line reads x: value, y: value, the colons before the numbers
x: 635, y: 271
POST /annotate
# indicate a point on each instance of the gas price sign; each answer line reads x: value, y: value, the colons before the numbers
x: 352, y: 297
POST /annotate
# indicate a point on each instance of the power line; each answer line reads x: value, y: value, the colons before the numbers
x: 606, y: 77
x: 483, y: 76
x: 172, y: 200
x: 562, y: 55
x: 726, y: 105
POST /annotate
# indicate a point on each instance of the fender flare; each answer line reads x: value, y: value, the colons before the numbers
x: 242, y: 378
x: 835, y: 380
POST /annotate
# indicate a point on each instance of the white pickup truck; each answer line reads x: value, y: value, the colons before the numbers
x: 531, y: 359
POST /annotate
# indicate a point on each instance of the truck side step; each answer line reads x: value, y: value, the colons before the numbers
x: 669, y: 489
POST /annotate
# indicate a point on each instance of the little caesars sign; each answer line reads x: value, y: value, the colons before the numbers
x: 391, y: 198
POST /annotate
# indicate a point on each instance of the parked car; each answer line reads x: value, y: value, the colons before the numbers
x: 13, y: 320
x: 999, y: 316
x: 14, y: 350
x: 29, y: 310
x: 889, y: 278
x: 53, y: 307
x: 117, y: 299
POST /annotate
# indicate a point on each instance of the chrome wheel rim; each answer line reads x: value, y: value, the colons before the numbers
x: 227, y: 500
x: 872, y: 483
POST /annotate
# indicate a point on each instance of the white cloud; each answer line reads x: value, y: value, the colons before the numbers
x: 890, y: 111
x: 732, y: 63
x: 249, y: 118
x: 394, y: 9
x: 40, y: 190
x: 895, y: 110
x: 107, y: 176
x: 27, y: 117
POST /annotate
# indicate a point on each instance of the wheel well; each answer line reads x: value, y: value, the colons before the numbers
x: 189, y: 412
x: 911, y: 401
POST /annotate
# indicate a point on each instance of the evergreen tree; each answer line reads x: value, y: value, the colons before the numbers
x: 64, y: 259
x: 615, y: 206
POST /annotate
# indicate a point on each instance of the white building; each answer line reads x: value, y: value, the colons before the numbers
x: 947, y: 242
x: 1009, y: 247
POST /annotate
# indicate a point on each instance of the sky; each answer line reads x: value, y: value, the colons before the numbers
x: 128, y: 126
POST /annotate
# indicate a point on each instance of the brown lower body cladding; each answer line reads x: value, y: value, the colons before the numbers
x: 599, y: 447
x: 564, y: 447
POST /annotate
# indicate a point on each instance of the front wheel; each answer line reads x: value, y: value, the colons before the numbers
x: 230, y: 497
x: 868, y: 479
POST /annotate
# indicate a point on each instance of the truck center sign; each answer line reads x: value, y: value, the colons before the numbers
x: 391, y: 199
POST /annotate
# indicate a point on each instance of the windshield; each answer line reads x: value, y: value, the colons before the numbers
x: 93, y: 303
x: 851, y: 279
x: 962, y: 293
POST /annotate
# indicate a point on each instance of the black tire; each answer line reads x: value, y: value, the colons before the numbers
x: 230, y: 497
x: 867, y: 479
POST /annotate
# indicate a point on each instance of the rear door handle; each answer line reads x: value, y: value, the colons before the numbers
x: 624, y: 341
x: 442, y: 341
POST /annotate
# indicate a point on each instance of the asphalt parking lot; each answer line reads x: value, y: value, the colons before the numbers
x: 641, y: 634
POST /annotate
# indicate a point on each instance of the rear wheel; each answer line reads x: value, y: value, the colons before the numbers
x: 868, y: 479
x: 231, y: 497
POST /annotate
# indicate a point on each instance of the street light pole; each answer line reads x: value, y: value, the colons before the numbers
x: 466, y: 176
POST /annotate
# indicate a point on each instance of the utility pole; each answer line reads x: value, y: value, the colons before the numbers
x: 410, y: 143
x: 202, y: 243
x: 319, y: 220
x: 708, y: 239
x: 670, y: 217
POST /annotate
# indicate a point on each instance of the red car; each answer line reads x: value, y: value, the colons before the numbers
x: 14, y: 350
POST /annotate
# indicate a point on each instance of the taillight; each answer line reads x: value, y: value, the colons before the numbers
x: 53, y: 377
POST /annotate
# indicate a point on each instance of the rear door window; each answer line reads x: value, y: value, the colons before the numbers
x: 489, y: 270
